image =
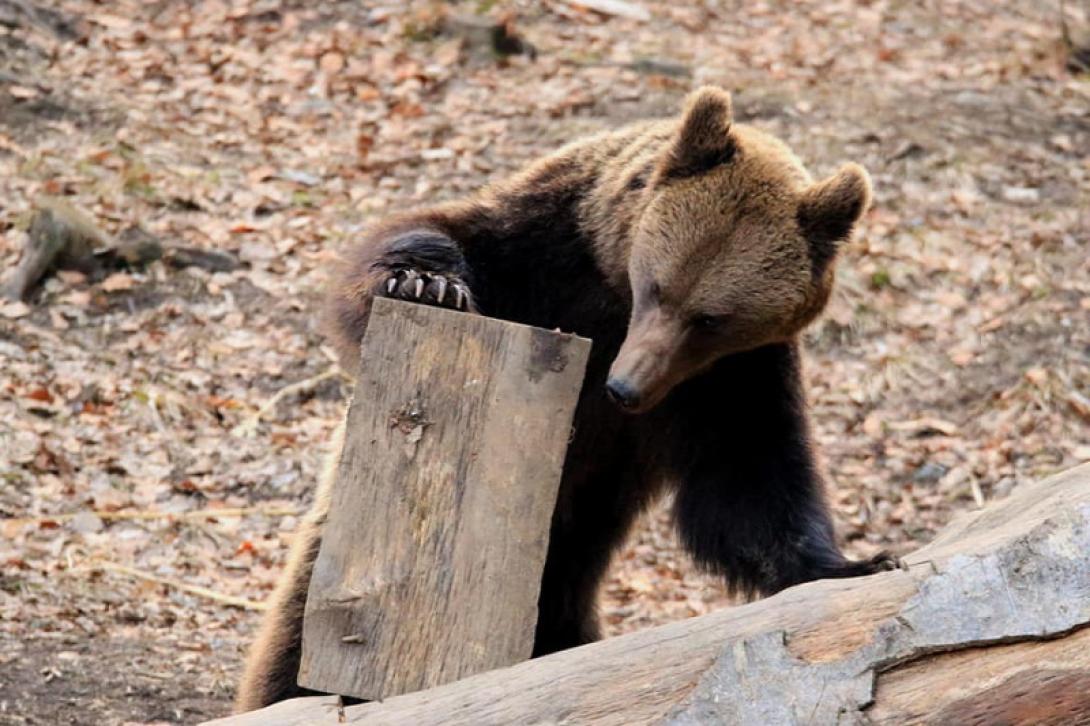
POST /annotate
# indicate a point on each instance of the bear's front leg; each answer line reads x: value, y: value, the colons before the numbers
x: 750, y: 503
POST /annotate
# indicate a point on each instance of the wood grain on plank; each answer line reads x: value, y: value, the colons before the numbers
x: 431, y: 560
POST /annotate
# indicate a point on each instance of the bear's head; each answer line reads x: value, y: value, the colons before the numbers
x: 733, y: 250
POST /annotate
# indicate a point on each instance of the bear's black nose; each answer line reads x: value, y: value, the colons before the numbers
x: 622, y: 393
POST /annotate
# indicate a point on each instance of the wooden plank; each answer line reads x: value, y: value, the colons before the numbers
x: 999, y: 600
x: 431, y: 561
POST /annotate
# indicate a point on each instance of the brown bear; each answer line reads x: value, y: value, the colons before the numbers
x: 693, y: 252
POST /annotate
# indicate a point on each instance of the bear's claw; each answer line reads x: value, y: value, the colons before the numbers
x: 883, y: 562
x: 428, y: 288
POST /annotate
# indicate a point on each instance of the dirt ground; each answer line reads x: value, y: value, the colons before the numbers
x: 152, y: 444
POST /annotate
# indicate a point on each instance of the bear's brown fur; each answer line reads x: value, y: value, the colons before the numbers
x: 693, y: 252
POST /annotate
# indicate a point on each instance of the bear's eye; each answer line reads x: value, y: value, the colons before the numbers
x: 707, y: 323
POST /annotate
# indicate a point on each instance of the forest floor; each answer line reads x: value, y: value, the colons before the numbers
x: 136, y: 461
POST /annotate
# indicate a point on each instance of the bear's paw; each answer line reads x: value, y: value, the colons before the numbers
x: 427, y: 288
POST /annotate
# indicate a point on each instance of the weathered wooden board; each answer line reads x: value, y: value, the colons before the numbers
x: 431, y: 560
x: 988, y: 624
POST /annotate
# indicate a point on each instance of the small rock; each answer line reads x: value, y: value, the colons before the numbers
x: 23, y: 447
x: 1021, y: 195
x: 1003, y: 487
x: 300, y: 177
x: 284, y: 480
x: 1062, y: 142
x: 87, y: 523
x: 436, y: 154
x: 15, y: 352
x: 929, y: 473
x: 253, y: 251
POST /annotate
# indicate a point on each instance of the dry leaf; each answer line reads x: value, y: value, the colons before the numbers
x: 367, y: 93
x: 79, y: 298
x: 1037, y: 376
x: 448, y: 53
x: 331, y: 62
x: 40, y: 394
x: 260, y: 174
x: 407, y: 110
x: 71, y: 277
x: 873, y: 425
x: 107, y: 20
x: 364, y: 143
x: 23, y: 92
x: 16, y: 309
x: 961, y: 357
x: 117, y: 282
x: 980, y: 226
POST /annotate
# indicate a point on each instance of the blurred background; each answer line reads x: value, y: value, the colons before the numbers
x: 165, y: 407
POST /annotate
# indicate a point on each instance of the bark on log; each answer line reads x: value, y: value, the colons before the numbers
x: 985, y: 625
x: 60, y: 236
x: 431, y: 560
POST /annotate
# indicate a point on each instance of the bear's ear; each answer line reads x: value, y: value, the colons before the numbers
x: 829, y: 210
x: 703, y: 140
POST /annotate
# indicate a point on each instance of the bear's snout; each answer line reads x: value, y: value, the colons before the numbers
x: 649, y: 361
x: 623, y: 393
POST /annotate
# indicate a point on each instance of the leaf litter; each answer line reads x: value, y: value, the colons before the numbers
x: 161, y: 427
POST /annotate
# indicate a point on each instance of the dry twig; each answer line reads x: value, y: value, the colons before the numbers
x: 196, y: 514
x: 231, y: 600
x: 249, y: 426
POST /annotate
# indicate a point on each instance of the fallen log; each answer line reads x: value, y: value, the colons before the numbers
x: 60, y: 236
x: 63, y: 237
x: 986, y: 624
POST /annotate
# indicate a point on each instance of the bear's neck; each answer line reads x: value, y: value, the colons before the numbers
x: 562, y: 227
x: 588, y: 196
x: 617, y: 199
